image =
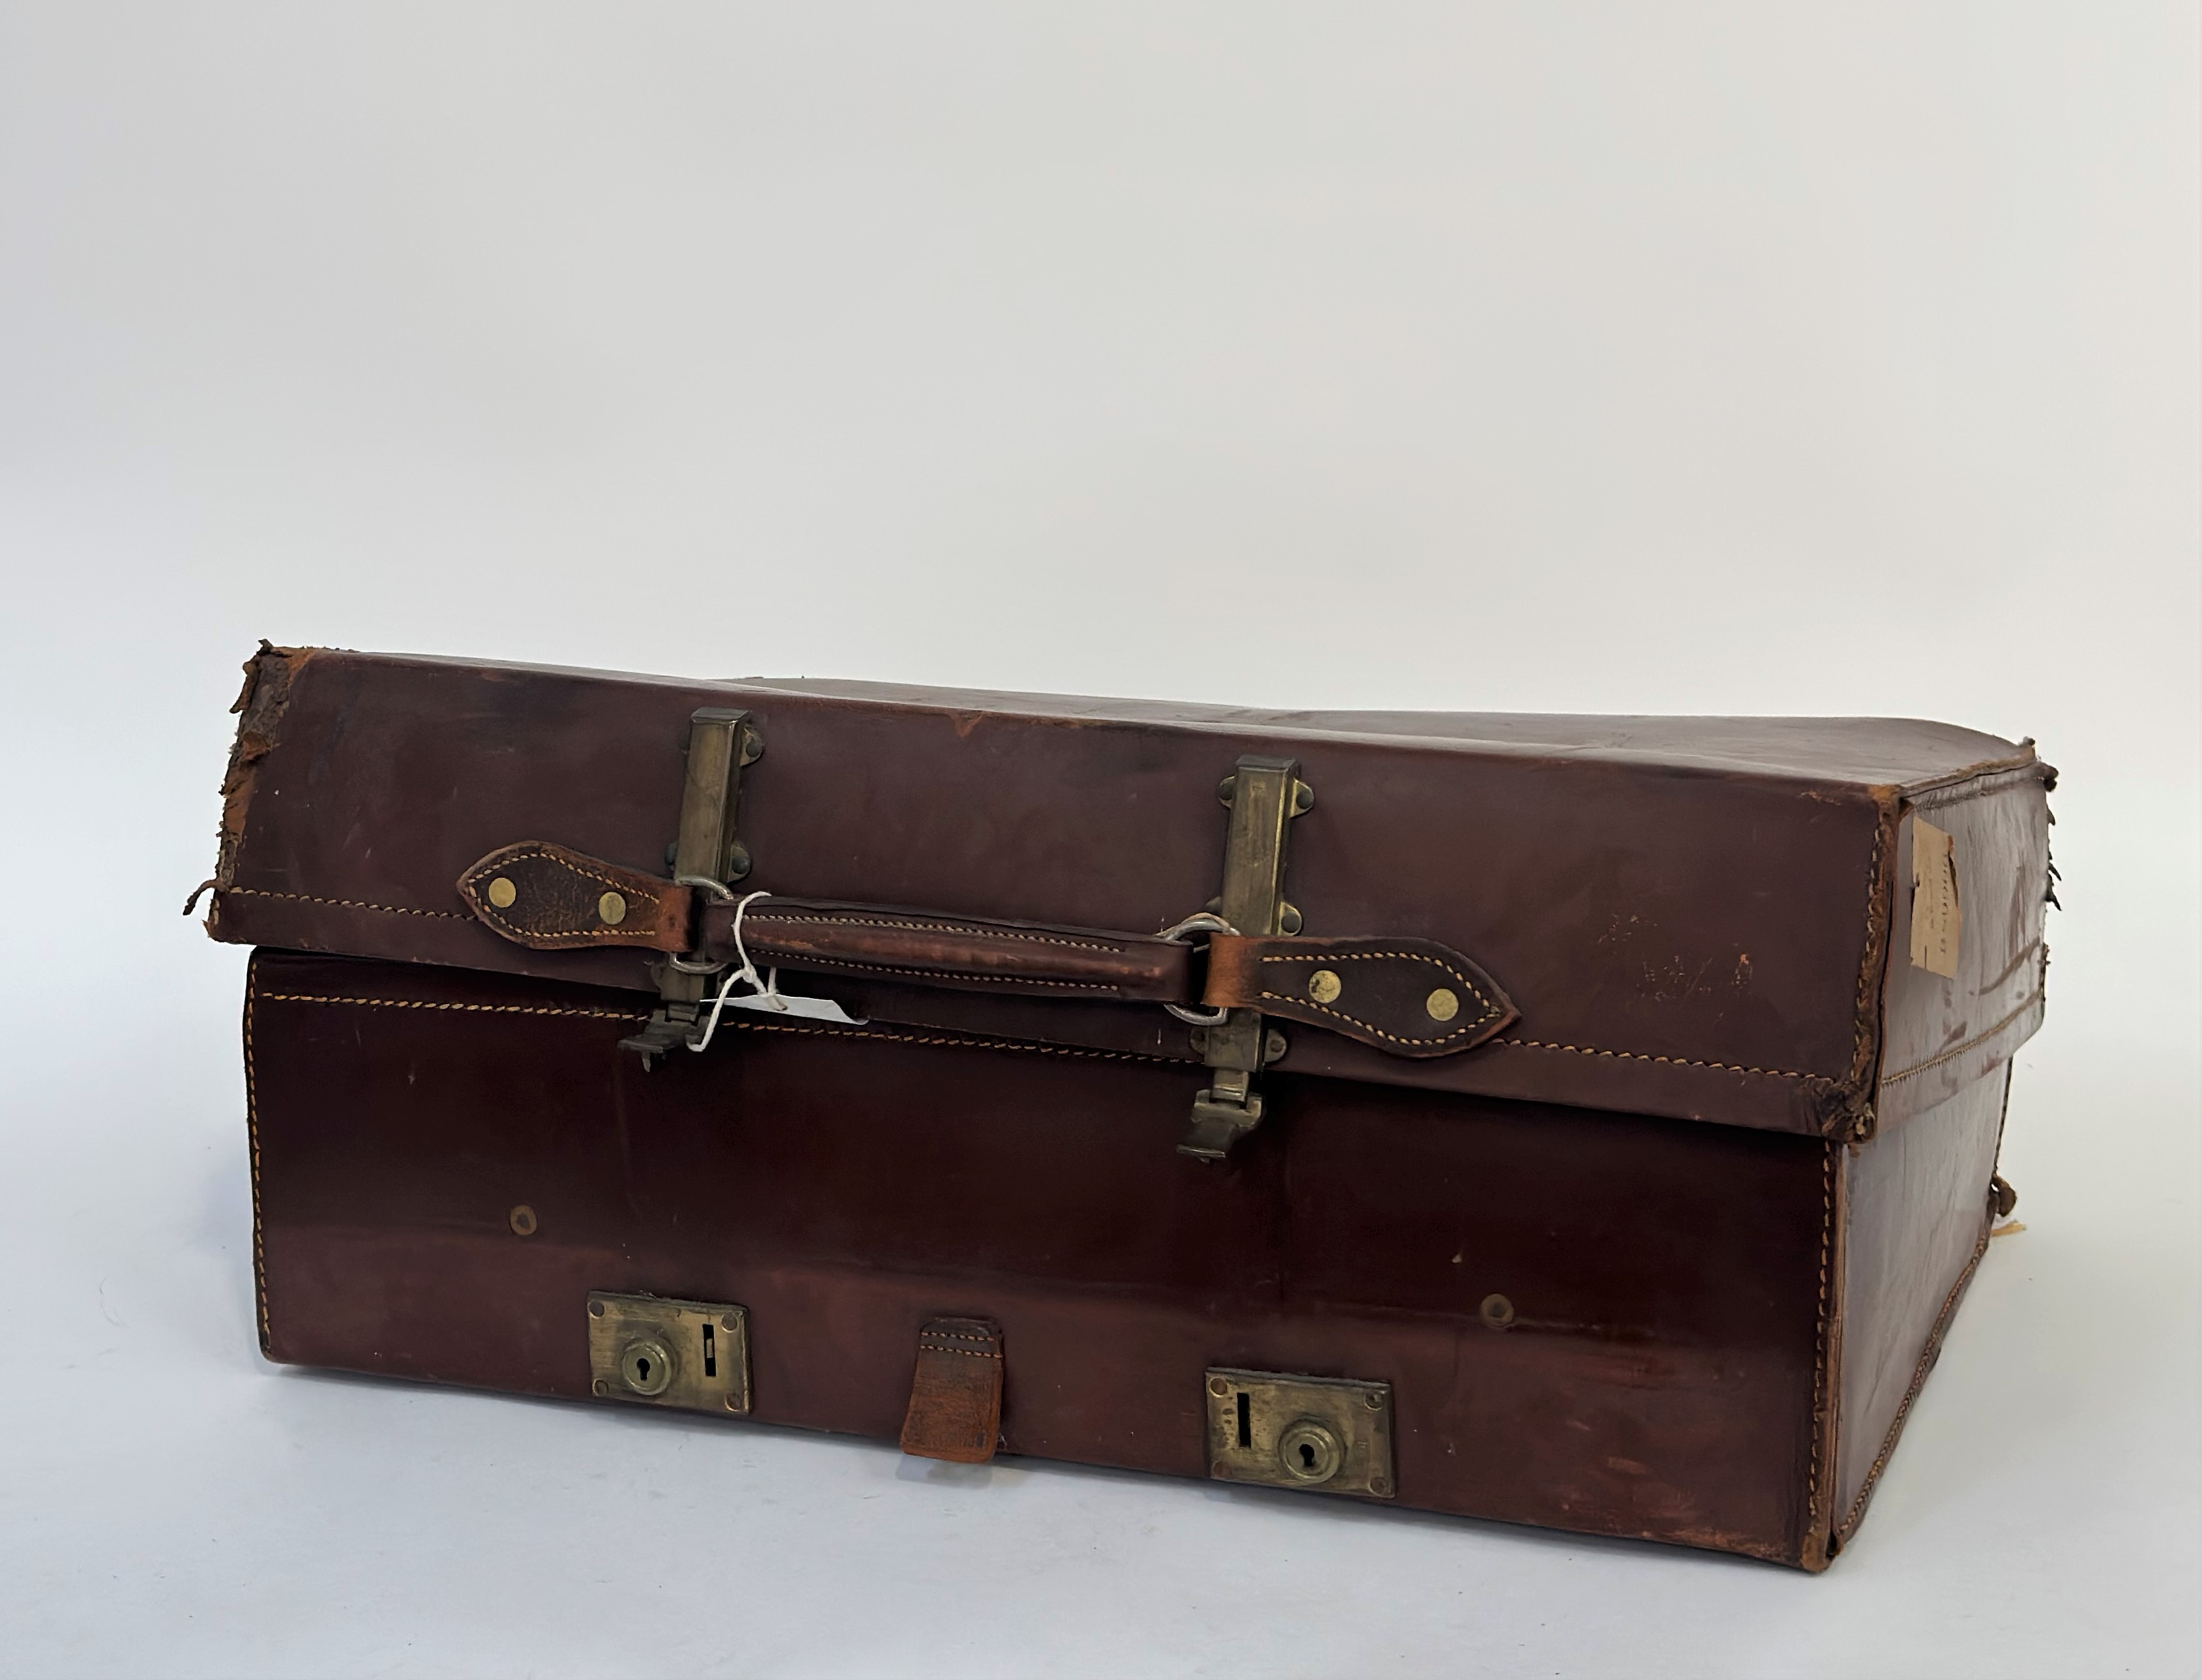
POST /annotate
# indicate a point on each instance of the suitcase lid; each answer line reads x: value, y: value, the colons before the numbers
x: 1692, y: 917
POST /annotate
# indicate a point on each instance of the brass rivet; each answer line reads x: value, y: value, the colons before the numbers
x: 595, y: 1309
x: 1373, y: 1400
x: 600, y: 1386
x: 522, y: 1220
x: 613, y: 909
x: 733, y: 1403
x: 1497, y: 1311
x: 1442, y: 1005
x: 1219, y: 1386
x: 1324, y: 987
x: 502, y: 893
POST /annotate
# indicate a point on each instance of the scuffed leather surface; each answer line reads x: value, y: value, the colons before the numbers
x: 1946, y: 1032
x: 956, y: 1392
x: 1691, y: 915
x: 848, y: 1186
x: 1385, y: 986
x: 1915, y: 1215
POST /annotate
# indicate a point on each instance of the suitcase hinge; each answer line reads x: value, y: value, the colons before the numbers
x: 1264, y: 795
x: 720, y: 742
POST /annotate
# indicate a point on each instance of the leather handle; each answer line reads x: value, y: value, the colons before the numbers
x: 1409, y: 996
x: 964, y: 953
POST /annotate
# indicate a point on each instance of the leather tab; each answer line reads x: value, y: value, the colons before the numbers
x: 955, y: 1397
x: 1407, y: 996
x: 548, y: 897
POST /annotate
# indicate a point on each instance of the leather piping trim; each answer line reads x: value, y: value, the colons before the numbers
x: 252, y: 1145
x: 1999, y: 776
x: 1927, y: 1355
x: 886, y: 1035
x: 1880, y: 919
x: 1816, y: 1490
x: 341, y: 904
x: 1974, y: 1043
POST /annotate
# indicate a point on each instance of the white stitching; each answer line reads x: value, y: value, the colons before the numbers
x: 830, y: 919
x: 1671, y: 1061
x: 339, y: 904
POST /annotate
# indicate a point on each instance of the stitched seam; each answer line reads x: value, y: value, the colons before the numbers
x: 341, y: 904
x: 827, y: 919
x: 1952, y: 1054
x: 469, y: 1009
x: 252, y: 1142
x: 1926, y: 1357
x: 1820, y: 1383
x: 962, y: 1353
x: 1375, y: 1031
x: 1671, y: 1061
x: 804, y: 960
x: 891, y: 1037
x: 874, y: 1036
x: 1490, y: 1008
x: 1876, y: 940
x: 495, y: 917
x: 958, y: 1335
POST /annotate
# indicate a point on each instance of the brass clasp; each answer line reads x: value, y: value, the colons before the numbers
x: 705, y: 856
x: 1264, y: 794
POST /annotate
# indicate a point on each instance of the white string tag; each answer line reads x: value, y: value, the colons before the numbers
x: 764, y: 995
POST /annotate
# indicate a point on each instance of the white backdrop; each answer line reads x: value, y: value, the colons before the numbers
x: 1690, y: 358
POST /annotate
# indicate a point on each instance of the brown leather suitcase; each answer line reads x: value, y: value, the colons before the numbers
x: 1582, y: 1122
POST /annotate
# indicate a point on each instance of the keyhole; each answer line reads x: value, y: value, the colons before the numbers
x: 1307, y: 1456
x: 642, y: 1370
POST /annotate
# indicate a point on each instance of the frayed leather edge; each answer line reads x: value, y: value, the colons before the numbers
x: 260, y: 703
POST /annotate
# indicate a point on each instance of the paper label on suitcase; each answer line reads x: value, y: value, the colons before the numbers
x: 1936, y: 920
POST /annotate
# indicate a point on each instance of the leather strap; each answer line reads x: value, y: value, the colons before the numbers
x: 1409, y: 997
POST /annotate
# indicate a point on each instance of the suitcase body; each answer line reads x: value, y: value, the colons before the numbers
x: 1626, y: 1094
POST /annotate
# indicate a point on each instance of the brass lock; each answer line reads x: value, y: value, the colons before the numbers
x: 646, y: 1367
x: 1309, y: 1453
x: 691, y: 1354
x: 1328, y: 1433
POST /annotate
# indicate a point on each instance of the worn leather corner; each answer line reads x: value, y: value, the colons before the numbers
x: 1409, y: 996
x: 956, y: 1392
x: 550, y: 898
